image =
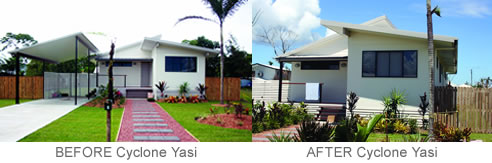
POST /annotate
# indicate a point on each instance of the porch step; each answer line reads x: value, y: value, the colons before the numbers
x: 148, y: 120
x: 153, y: 130
x: 144, y: 112
x: 147, y: 116
x: 150, y: 125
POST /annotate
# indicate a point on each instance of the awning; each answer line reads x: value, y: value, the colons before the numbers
x: 59, y: 50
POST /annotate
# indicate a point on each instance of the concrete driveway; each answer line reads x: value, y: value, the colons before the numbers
x: 18, y: 121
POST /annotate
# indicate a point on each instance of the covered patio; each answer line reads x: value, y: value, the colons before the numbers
x: 71, y: 47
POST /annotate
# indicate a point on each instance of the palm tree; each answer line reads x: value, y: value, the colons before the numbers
x: 430, y: 41
x: 222, y: 9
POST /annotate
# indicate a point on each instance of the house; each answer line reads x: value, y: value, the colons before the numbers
x: 268, y: 72
x: 139, y: 66
x: 370, y: 59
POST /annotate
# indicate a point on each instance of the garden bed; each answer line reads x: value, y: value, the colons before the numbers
x: 228, y: 121
x: 99, y: 103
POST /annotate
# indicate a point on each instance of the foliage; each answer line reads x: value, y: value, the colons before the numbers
x: 346, y: 130
x: 281, y: 137
x: 401, y: 127
x: 92, y: 93
x: 351, y: 101
x: 183, y: 89
x: 277, y: 115
x: 194, y: 99
x: 412, y: 124
x: 312, y: 131
x: 451, y: 134
x: 162, y: 86
x: 7, y: 66
x: 415, y: 138
x: 171, y: 99
x: 16, y: 41
x: 201, y: 88
x: 423, y: 108
x: 364, y: 132
x: 392, y: 102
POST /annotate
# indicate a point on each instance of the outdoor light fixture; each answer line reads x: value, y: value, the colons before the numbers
x: 298, y: 65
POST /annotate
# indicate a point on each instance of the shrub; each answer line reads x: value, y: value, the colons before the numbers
x: 202, y: 88
x: 171, y: 99
x: 416, y: 138
x: 281, y: 137
x: 412, y: 124
x: 150, y: 99
x: 401, y: 127
x: 364, y: 132
x: 312, y: 131
x: 238, y: 109
x: 450, y: 134
x: 392, y: 102
x: 345, y: 130
x: 352, y: 100
x: 423, y: 108
x: 194, y: 99
x: 162, y: 86
x: 183, y: 89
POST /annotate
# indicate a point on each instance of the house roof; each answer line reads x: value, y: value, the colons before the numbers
x: 269, y: 66
x: 149, y: 43
x: 59, y: 49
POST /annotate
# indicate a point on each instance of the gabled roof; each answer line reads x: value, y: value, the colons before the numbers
x: 149, y: 43
x: 269, y: 66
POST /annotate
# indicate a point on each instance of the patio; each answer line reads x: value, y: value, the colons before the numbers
x: 18, y: 121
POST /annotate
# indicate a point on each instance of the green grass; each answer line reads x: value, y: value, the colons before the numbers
x: 84, y: 124
x: 246, y: 95
x: 185, y: 115
x: 377, y: 137
x: 7, y: 102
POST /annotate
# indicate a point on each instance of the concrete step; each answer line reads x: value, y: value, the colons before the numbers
x: 150, y: 125
x: 148, y: 120
x: 144, y: 112
x: 156, y: 138
x: 137, y: 130
x: 147, y: 116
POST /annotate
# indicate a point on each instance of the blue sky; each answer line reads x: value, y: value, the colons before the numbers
x: 470, y: 21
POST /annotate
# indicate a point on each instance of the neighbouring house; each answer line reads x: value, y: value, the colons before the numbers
x: 370, y: 59
x: 139, y: 66
x: 268, y: 72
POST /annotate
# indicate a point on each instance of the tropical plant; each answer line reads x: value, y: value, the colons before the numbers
x: 281, y: 137
x: 162, y: 86
x: 412, y: 124
x: 430, y: 45
x: 401, y: 127
x: 415, y: 138
x: 238, y: 109
x: 364, y: 132
x: 222, y: 9
x: 183, y: 89
x: 423, y: 108
x: 443, y: 133
x: 312, y: 131
x: 352, y: 100
x: 259, y: 112
x: 392, y: 102
x: 201, y: 88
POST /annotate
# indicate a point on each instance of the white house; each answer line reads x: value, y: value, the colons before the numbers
x: 370, y: 59
x: 141, y: 65
x: 267, y: 72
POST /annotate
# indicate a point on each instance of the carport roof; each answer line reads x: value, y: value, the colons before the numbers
x: 58, y: 50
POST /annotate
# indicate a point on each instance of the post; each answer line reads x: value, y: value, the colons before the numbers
x: 88, y: 73
x: 44, y: 69
x: 97, y: 73
x: 17, y: 73
x: 281, y: 76
x: 125, y: 81
x: 76, y: 66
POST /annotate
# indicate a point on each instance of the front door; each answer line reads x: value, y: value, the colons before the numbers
x: 145, y: 74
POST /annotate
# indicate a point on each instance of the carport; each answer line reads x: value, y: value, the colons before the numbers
x: 58, y: 50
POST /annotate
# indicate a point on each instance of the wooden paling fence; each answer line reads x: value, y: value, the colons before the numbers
x: 232, y: 88
x: 465, y: 108
x: 30, y: 87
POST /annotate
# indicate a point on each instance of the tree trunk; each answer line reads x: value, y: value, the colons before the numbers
x: 221, y: 65
x: 110, y: 94
x: 430, y: 39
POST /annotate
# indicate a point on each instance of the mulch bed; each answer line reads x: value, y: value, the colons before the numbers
x: 99, y: 103
x: 228, y: 121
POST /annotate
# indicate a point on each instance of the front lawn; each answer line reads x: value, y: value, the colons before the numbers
x: 378, y: 137
x: 185, y: 115
x: 84, y: 124
x: 7, y: 102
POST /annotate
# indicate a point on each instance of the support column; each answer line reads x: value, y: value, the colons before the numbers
x: 17, y: 73
x: 281, y: 76
x: 88, y: 72
x: 76, y: 66
x: 97, y: 73
x: 44, y: 69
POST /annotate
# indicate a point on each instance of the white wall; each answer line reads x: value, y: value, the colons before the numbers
x: 175, y: 79
x: 268, y: 73
x: 133, y: 74
x: 372, y: 89
x: 334, y: 83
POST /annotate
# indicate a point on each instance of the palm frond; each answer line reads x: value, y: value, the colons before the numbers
x: 194, y: 17
x: 231, y: 6
x: 217, y: 7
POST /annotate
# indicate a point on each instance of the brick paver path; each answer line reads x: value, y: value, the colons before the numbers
x: 147, y: 121
x: 263, y: 136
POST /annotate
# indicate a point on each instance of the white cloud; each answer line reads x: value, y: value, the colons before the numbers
x: 129, y: 21
x: 472, y: 8
x: 300, y: 16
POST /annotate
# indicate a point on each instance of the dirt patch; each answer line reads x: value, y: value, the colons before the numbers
x: 228, y: 121
x: 99, y: 103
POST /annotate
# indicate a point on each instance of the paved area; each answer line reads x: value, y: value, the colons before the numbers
x: 18, y: 121
x: 146, y: 121
x: 263, y: 136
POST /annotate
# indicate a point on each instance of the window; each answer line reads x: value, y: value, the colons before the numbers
x: 180, y: 64
x: 120, y: 64
x: 320, y: 65
x: 389, y: 64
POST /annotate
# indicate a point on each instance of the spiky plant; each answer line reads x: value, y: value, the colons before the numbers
x: 423, y: 108
x: 183, y: 89
x: 201, y: 88
x: 162, y: 86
